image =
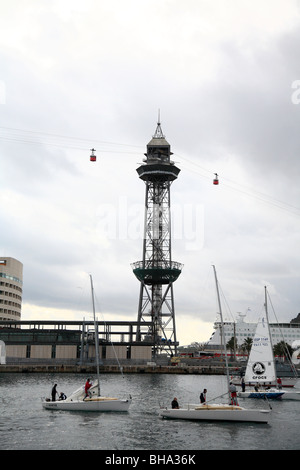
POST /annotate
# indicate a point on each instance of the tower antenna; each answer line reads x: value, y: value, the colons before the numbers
x: 158, y: 132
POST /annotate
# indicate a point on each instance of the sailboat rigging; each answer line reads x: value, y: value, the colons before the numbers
x: 96, y: 336
x: 78, y: 401
x: 217, y: 411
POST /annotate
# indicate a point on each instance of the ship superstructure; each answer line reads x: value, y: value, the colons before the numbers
x: 241, y: 330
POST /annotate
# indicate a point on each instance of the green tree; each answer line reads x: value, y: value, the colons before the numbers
x: 230, y: 345
x: 283, y: 349
x: 247, y: 345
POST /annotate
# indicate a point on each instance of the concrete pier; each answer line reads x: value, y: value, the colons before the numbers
x: 127, y: 369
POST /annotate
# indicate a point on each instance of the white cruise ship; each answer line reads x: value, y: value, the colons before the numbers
x: 288, y: 332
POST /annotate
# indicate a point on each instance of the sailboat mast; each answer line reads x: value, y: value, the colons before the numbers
x: 223, y: 333
x: 96, y: 337
x: 269, y: 330
x: 266, y: 305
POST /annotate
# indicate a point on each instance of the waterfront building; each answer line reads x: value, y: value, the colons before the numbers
x: 11, y: 288
x: 72, y: 342
x: 241, y: 330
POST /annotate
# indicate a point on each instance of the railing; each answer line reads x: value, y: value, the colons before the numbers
x: 157, y: 264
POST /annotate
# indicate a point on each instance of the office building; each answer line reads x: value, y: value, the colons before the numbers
x: 11, y: 288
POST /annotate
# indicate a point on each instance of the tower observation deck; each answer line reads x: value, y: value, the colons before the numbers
x: 157, y: 271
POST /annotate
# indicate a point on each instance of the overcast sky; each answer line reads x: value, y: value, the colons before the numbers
x: 81, y: 74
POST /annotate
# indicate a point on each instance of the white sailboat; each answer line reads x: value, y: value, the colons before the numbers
x: 94, y: 402
x: 261, y: 370
x: 218, y: 411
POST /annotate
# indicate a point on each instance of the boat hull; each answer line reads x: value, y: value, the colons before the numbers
x: 280, y: 394
x: 98, y: 404
x: 217, y: 413
x: 274, y: 395
x: 287, y: 382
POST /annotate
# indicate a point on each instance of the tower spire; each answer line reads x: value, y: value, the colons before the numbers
x: 158, y: 132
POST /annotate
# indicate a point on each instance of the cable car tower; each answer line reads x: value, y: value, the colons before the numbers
x: 157, y: 271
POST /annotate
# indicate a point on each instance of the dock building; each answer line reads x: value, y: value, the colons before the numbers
x: 73, y: 342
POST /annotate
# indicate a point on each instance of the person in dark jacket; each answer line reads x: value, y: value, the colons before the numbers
x: 54, y: 392
x: 175, y: 404
x: 203, y: 396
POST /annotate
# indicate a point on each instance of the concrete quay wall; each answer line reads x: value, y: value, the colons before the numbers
x: 127, y: 369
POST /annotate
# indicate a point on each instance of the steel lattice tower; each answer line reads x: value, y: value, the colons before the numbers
x: 157, y: 272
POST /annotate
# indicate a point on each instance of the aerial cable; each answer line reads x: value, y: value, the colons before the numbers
x: 246, y: 190
x: 71, y: 138
x: 64, y: 145
x: 17, y: 135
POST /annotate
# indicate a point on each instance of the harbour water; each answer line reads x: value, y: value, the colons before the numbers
x: 25, y: 425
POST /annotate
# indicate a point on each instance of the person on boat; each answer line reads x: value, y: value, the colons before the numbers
x: 54, y: 392
x: 175, y: 404
x: 87, y: 387
x: 232, y: 389
x: 203, y: 396
x: 279, y: 383
x: 62, y: 396
x: 243, y: 384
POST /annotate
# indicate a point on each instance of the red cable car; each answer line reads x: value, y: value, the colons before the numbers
x: 93, y: 156
x: 216, y: 179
